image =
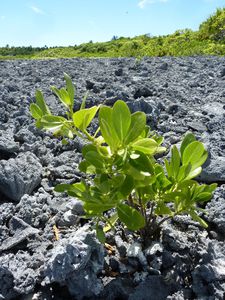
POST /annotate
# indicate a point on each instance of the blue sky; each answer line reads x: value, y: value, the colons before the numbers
x: 70, y: 22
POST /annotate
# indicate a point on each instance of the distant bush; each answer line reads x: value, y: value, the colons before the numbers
x: 214, y: 27
x: 208, y: 40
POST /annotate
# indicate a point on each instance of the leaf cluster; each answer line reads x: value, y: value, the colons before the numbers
x: 123, y: 176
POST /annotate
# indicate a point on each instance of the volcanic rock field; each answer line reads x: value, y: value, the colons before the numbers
x: 47, y: 251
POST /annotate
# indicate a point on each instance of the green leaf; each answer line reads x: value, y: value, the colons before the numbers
x: 87, y: 148
x: 95, y: 206
x: 183, y: 172
x: 63, y: 96
x: 194, y: 173
x: 121, y: 119
x: 202, y: 197
x: 83, y: 103
x: 168, y: 168
x: 162, y: 209
x: 52, y: 122
x: 195, y: 154
x: 143, y: 164
x: 70, y: 88
x: 77, y: 188
x: 118, y: 180
x: 137, y: 126
x: 86, y: 167
x: 188, y: 139
x: 127, y: 186
x: 82, y: 118
x: 100, y: 234
x: 211, y: 188
x: 41, y: 103
x: 111, y: 222
x: 95, y: 159
x: 36, y: 112
x: 107, y: 129
x: 130, y: 217
x: 60, y: 188
x: 196, y: 218
x: 175, y: 161
x: 146, y: 145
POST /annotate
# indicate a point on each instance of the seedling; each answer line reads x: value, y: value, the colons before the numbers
x: 126, y: 180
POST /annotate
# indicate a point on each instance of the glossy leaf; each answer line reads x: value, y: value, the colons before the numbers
x: 41, y: 103
x: 62, y: 95
x: 111, y: 222
x: 70, y: 88
x: 107, y: 129
x: 175, y: 161
x: 130, y: 217
x: 52, y: 122
x: 127, y: 186
x: 194, y: 173
x: 146, y: 145
x: 195, y: 154
x: 137, y: 126
x: 188, y: 139
x: 162, y: 209
x: 36, y: 112
x: 95, y: 159
x: 121, y: 119
x: 184, y: 172
x: 198, y: 219
x: 142, y: 164
x: 100, y: 234
x: 82, y: 118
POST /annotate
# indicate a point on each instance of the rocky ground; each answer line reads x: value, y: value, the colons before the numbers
x: 184, y: 262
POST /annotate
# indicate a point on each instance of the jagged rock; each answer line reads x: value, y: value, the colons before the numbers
x: 8, y: 145
x: 76, y: 262
x: 209, y: 275
x: 154, y: 287
x: 177, y: 94
x: 20, y: 176
x: 35, y: 210
x: 20, y: 230
x: 216, y: 210
x: 19, y: 273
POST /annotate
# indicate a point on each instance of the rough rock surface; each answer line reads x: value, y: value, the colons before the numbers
x: 20, y: 175
x: 46, y: 250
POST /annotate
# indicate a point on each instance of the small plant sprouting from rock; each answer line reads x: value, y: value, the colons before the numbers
x: 122, y: 175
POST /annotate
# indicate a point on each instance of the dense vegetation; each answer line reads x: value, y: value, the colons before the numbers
x: 208, y: 40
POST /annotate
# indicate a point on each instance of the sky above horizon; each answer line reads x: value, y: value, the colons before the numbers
x: 69, y: 22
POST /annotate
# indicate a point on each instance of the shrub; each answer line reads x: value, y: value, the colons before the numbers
x: 124, y: 181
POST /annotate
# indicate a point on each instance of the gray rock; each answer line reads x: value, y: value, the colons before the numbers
x: 135, y: 251
x: 176, y: 94
x: 19, y: 176
x: 154, y: 287
x: 121, y: 246
x: 7, y: 211
x: 213, y: 170
x: 76, y: 262
x: 34, y: 210
x: 7, y: 143
x: 209, y: 275
x: 20, y: 230
x: 116, y: 288
x: 19, y: 273
x: 216, y: 210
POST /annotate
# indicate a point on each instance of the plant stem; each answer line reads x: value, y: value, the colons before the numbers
x: 163, y: 220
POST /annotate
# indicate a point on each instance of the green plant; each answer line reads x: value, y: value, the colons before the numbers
x: 122, y: 175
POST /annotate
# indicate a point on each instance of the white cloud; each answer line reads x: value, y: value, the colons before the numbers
x: 37, y: 10
x: 143, y: 3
